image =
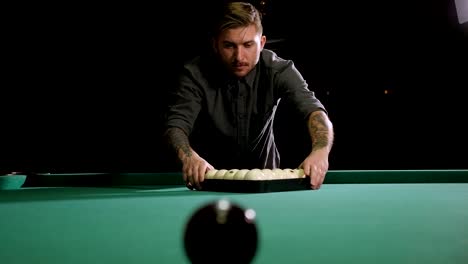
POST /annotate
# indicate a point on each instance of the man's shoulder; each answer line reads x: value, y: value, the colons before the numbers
x: 193, y: 62
x: 199, y: 63
x: 272, y: 60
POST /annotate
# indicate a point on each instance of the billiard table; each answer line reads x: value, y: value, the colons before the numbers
x: 397, y: 216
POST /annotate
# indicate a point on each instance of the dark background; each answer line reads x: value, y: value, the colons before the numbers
x: 86, y: 84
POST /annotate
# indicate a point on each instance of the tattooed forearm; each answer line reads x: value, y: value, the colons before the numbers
x: 320, y: 130
x: 178, y: 140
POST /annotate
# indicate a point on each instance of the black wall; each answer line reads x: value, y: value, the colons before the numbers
x: 87, y: 84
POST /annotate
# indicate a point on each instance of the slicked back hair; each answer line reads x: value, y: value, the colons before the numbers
x: 235, y: 15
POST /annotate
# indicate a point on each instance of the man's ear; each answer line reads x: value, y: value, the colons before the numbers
x: 262, y: 41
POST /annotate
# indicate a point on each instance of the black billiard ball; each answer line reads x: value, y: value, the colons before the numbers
x: 221, y: 232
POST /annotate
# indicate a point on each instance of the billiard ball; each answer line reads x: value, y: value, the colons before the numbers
x: 221, y: 232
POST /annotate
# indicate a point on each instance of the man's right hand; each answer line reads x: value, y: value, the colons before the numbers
x: 194, y: 169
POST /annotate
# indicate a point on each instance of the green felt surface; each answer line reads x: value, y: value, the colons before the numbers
x: 11, y: 182
x: 341, y: 223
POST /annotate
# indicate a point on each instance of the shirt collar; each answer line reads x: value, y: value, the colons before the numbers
x: 250, y: 77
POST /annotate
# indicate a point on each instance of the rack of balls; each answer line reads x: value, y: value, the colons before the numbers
x: 255, y: 174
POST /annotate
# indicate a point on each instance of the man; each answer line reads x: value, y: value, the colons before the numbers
x: 224, y: 106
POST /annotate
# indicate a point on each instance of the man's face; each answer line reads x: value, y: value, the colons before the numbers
x: 239, y: 49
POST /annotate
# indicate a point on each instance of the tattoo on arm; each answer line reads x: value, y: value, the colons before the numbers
x: 178, y: 140
x: 321, y: 130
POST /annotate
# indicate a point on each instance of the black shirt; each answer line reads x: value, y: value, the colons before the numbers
x: 230, y: 120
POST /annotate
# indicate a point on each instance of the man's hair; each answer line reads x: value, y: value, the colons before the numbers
x: 237, y: 14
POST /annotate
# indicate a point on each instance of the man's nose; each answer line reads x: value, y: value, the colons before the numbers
x: 239, y: 53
